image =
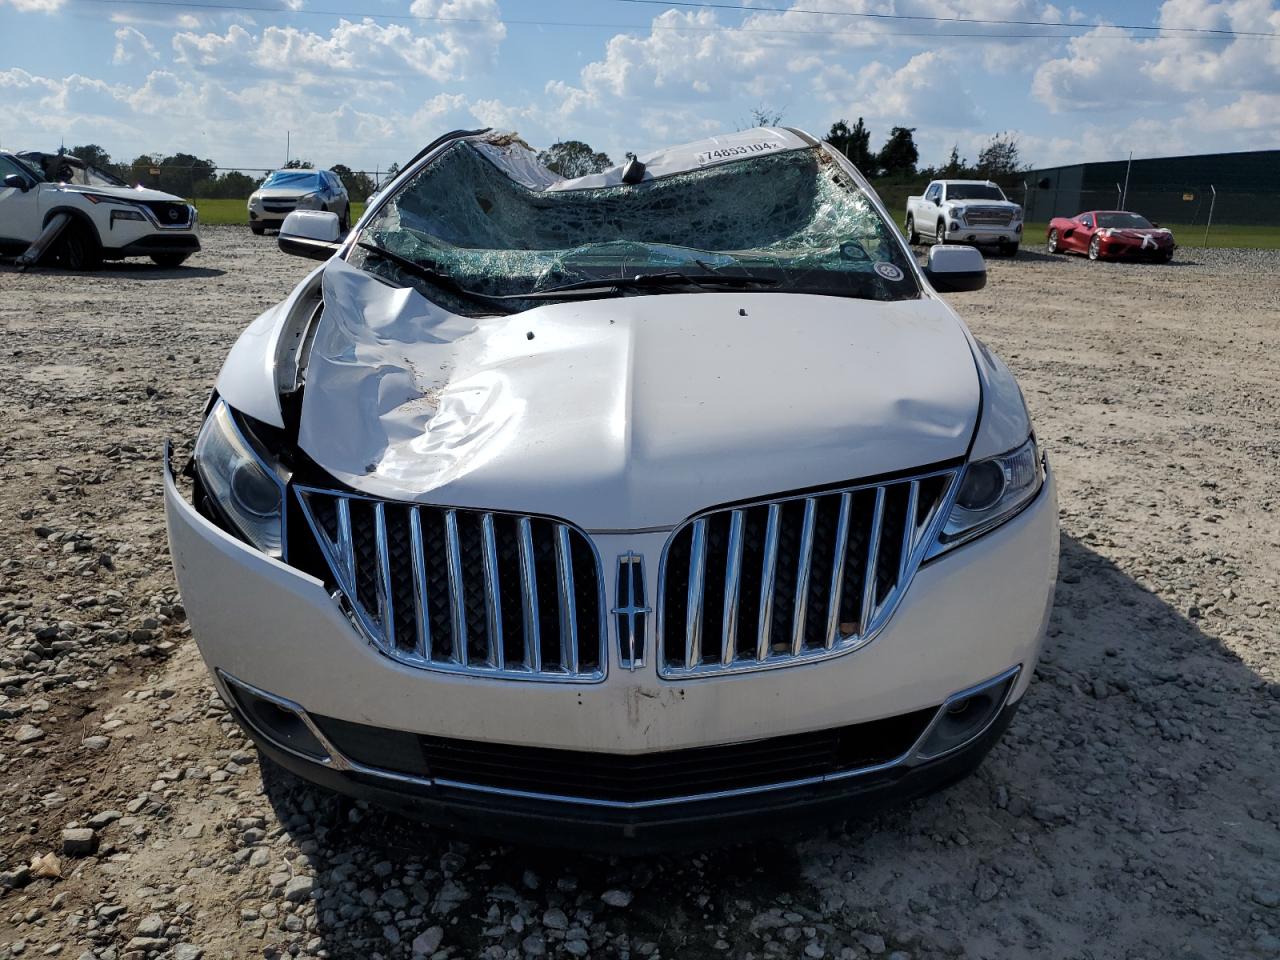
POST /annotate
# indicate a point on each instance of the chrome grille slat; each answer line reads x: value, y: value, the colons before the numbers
x: 835, y: 591
x: 439, y: 588
x: 873, y: 557
x: 804, y: 564
x: 909, y: 528
x: 732, y: 582
x: 832, y: 567
x: 421, y: 614
x: 529, y: 598
x: 492, y: 597
x: 457, y: 598
x: 769, y: 571
x: 568, y: 602
x: 385, y: 613
x: 697, y: 569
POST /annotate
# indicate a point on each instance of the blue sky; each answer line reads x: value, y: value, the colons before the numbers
x: 367, y: 82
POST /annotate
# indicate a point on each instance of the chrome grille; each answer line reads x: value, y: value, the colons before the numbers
x: 468, y: 591
x: 988, y: 216
x: 793, y: 580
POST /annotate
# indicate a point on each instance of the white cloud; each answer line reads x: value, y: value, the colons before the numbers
x: 36, y: 6
x: 133, y: 45
x: 1107, y: 68
x: 450, y: 53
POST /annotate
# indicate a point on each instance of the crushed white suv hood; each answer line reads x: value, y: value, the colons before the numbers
x: 132, y: 194
x: 631, y: 412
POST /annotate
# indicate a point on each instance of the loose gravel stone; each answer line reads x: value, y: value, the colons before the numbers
x: 78, y: 842
x: 298, y: 889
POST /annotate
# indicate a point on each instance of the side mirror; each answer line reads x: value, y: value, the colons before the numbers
x: 1154, y: 224
x: 310, y: 233
x: 17, y: 182
x: 956, y: 269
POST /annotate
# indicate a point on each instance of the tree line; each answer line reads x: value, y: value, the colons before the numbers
x: 899, y: 157
x: 186, y: 175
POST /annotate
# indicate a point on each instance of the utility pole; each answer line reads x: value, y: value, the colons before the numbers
x: 1124, y: 196
x: 288, y: 134
x: 1212, y: 200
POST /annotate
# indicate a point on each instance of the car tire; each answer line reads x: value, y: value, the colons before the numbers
x: 344, y: 221
x: 913, y: 237
x: 78, y: 248
x: 1009, y: 249
x: 169, y: 261
x: 258, y: 229
x: 1095, y: 247
x: 1051, y: 245
x: 1167, y: 257
x: 940, y: 232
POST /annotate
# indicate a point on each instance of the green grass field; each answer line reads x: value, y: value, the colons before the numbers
x: 234, y: 211
x: 1191, y: 237
x: 1226, y: 235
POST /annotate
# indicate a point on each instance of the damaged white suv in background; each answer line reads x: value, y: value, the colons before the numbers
x: 80, y: 225
x: 666, y: 500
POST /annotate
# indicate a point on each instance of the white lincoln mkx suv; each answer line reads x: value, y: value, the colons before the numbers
x: 668, y: 498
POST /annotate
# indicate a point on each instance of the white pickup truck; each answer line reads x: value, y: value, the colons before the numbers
x: 965, y: 211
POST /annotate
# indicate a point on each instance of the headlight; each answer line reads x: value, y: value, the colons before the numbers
x: 1017, y: 214
x: 248, y: 492
x: 309, y: 200
x: 991, y: 492
x: 958, y: 212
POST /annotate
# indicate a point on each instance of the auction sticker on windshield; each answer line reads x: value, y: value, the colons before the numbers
x: 888, y: 271
x: 722, y: 154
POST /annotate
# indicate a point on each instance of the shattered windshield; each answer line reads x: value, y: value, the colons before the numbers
x: 789, y: 221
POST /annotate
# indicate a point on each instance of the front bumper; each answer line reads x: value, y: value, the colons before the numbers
x: 158, y: 243
x: 983, y: 234
x: 971, y: 615
x: 1127, y: 250
x: 708, y: 821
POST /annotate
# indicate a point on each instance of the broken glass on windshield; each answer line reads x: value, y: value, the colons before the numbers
x: 794, y: 220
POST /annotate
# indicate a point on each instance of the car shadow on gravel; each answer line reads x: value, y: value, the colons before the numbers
x: 1089, y: 825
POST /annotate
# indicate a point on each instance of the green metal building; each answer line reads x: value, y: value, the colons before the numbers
x: 1169, y: 189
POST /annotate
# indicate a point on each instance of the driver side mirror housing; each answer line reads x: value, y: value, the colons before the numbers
x: 17, y: 181
x: 315, y: 234
x: 956, y: 269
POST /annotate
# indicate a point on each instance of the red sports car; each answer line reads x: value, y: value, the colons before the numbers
x: 1111, y: 234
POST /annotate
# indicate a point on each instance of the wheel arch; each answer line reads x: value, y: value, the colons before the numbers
x: 76, y: 214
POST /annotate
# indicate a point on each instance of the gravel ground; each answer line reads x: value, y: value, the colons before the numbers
x: 1132, y: 811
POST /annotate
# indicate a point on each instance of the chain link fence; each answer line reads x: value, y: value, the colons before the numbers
x: 1184, y: 205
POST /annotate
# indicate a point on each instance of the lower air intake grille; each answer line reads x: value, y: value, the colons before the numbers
x: 469, y: 591
x: 642, y: 778
x: 793, y: 580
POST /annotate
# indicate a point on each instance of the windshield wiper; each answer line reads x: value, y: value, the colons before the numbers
x: 429, y: 272
x: 712, y: 281
x: 426, y: 270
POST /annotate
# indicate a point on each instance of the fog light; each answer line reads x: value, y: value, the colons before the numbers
x: 275, y: 719
x: 965, y: 716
